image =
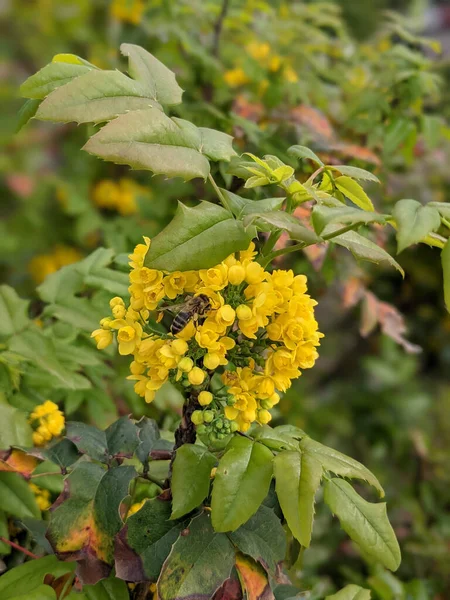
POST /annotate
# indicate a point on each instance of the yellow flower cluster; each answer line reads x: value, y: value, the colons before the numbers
x: 45, y: 264
x: 42, y: 496
x: 259, y: 326
x: 47, y: 421
x: 128, y: 11
x: 119, y: 196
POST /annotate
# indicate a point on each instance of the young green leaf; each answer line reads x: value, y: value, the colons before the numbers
x: 241, y: 483
x: 338, y: 463
x: 414, y: 222
x: 149, y: 139
x: 197, y: 238
x: 354, y: 192
x: 198, y: 564
x: 345, y: 215
x: 286, y: 222
x: 26, y: 112
x: 158, y: 80
x: 355, y: 172
x: 363, y: 248
x: 445, y: 259
x: 190, y: 478
x: 242, y: 207
x: 297, y: 477
x: 95, y: 97
x: 304, y: 152
x: 350, y: 592
x: 366, y: 523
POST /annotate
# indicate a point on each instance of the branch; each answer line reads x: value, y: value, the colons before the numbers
x: 17, y: 547
x: 218, y: 28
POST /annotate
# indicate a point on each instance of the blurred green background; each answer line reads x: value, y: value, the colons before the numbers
x: 356, y: 84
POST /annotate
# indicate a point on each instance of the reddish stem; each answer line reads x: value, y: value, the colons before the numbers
x: 17, y: 547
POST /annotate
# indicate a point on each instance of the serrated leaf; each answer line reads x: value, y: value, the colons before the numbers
x: 122, y: 438
x: 338, y: 463
x: 26, y: 112
x: 263, y: 538
x: 51, y: 77
x: 324, y: 215
x: 198, y: 564
x: 159, y: 81
x: 366, y: 523
x: 297, y: 477
x: 242, y: 207
x: 414, y: 222
x: 363, y: 248
x: 445, y: 260
x: 216, y: 145
x: 355, y: 172
x: 253, y: 578
x: 197, y: 238
x: 282, y: 220
x: 95, y: 97
x: 354, y: 192
x: 30, y: 575
x: 273, y: 439
x: 16, y: 497
x: 304, y: 152
x: 88, y: 439
x: 149, y: 139
x: 350, y: 592
x: 241, y: 483
x: 148, y: 434
x: 15, y: 429
x: 13, y: 312
x: 190, y: 478
x: 144, y: 543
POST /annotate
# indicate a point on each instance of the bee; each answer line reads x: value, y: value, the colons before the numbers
x: 190, y: 310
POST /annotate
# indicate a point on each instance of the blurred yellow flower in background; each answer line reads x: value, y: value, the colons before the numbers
x: 43, y: 265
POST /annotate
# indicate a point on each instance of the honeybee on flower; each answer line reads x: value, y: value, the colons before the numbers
x: 255, y: 329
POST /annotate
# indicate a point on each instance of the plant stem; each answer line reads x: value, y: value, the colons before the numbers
x: 221, y: 197
x: 185, y: 433
x: 67, y: 585
x: 334, y: 234
x: 45, y: 474
x: 17, y: 547
x: 218, y: 28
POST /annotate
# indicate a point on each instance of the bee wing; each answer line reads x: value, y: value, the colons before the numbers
x: 174, y: 308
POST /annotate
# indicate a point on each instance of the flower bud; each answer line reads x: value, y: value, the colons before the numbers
x: 244, y: 312
x: 236, y: 274
x: 233, y: 426
x: 211, y: 361
x: 205, y: 398
x: 196, y: 376
x: 208, y: 416
x: 179, y: 347
x: 186, y: 364
x: 197, y: 417
x: 264, y: 416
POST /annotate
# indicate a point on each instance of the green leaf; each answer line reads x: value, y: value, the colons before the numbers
x: 148, y: 434
x: 414, y: 222
x: 30, y: 575
x: 274, y: 439
x: 95, y: 97
x: 241, y: 207
x: 324, y: 215
x: 354, y: 192
x: 338, y: 463
x: 148, y: 139
x: 198, y: 564
x: 107, y: 589
x: 350, y: 592
x: 14, y: 430
x: 197, y: 238
x: 367, y: 524
x: 363, y: 248
x: 43, y: 592
x: 87, y: 520
x: 52, y: 76
x: 16, y: 497
x: 442, y: 207
x: 190, y: 478
x: 304, y: 152
x: 26, y: 112
x: 38, y: 530
x: 445, y: 259
x: 396, y: 133
x: 216, y: 145
x: 297, y: 477
x: 355, y: 172
x: 263, y: 538
x: 13, y: 312
x: 4, y: 532
x: 282, y: 220
x: 144, y: 543
x: 122, y: 438
x: 88, y: 439
x: 241, y: 483
x: 158, y: 80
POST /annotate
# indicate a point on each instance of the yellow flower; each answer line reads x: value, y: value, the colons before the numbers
x: 138, y: 256
x: 258, y: 51
x: 264, y: 416
x: 236, y: 274
x: 103, y: 338
x: 179, y: 347
x: 128, y: 337
x: 274, y: 63
x: 106, y: 194
x: 205, y: 398
x: 186, y: 364
x: 47, y: 421
x: 236, y: 77
x: 216, y: 278
x: 196, y: 376
x: 290, y: 74
x: 225, y: 316
x: 41, y: 496
x: 254, y: 273
x: 128, y: 11
x: 249, y: 254
x: 174, y: 284
x: 45, y: 264
x: 244, y: 312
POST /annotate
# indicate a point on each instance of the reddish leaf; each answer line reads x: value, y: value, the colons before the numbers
x: 19, y: 462
x: 315, y: 121
x: 253, y: 578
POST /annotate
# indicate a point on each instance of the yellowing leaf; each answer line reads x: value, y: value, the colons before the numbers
x: 354, y: 192
x: 254, y: 578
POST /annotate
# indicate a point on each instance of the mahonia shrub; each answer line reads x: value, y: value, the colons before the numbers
x: 222, y: 507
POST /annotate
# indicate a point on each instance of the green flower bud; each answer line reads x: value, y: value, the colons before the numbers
x: 233, y: 426
x: 208, y: 415
x: 197, y: 417
x: 201, y: 429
